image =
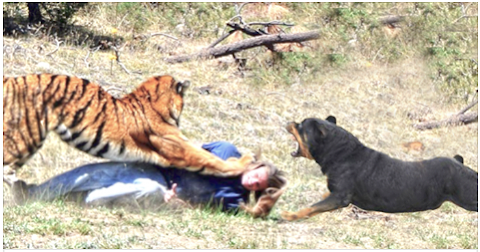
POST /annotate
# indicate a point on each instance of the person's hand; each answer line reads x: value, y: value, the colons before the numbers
x: 170, y: 194
x: 173, y: 202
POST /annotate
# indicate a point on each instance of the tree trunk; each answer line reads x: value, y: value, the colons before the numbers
x: 34, y: 15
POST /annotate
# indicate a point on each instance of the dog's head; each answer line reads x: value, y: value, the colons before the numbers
x: 309, y: 134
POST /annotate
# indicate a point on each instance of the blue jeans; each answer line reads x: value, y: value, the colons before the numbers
x: 105, y: 184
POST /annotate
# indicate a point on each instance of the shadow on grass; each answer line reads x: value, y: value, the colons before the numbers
x: 70, y: 34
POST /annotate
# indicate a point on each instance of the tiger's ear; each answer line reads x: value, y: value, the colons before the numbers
x: 182, y: 87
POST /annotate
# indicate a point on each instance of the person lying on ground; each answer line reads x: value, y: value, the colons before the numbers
x: 149, y: 186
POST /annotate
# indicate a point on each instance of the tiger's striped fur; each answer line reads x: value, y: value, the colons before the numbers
x: 142, y: 126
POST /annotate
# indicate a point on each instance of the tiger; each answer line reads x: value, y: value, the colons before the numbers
x: 142, y: 126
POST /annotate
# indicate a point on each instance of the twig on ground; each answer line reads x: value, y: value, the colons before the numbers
x: 464, y: 11
x: 56, y: 49
x: 37, y: 30
x: 144, y: 37
x: 121, y: 21
x: 376, y: 54
x: 86, y: 59
x: 163, y: 34
x: 93, y: 50
x: 117, y: 56
x: 239, y: 9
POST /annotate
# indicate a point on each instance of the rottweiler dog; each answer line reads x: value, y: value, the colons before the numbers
x: 374, y: 181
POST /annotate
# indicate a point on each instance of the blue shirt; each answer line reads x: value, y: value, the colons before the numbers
x: 207, y: 189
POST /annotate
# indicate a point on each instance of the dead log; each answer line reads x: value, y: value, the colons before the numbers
x: 457, y: 119
x: 264, y: 40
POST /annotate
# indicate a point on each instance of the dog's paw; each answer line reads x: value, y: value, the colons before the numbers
x: 289, y: 216
x: 242, y: 206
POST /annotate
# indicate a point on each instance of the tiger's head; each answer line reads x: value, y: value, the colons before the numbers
x: 165, y: 96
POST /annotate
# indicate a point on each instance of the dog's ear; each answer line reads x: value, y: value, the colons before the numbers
x: 458, y: 158
x: 332, y: 119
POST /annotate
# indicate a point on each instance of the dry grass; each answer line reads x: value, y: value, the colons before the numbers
x: 371, y: 101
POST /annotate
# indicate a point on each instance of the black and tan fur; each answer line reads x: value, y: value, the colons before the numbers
x: 141, y: 126
x: 374, y: 181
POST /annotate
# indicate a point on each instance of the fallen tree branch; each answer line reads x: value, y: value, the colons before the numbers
x: 467, y: 108
x: 264, y: 40
x: 457, y: 119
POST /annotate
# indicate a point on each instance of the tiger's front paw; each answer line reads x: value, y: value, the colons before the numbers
x: 247, y: 159
x: 239, y: 165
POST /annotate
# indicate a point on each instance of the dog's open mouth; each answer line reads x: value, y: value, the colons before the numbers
x: 293, y: 130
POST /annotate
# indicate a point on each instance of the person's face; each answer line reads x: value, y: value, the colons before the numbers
x: 255, y: 180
